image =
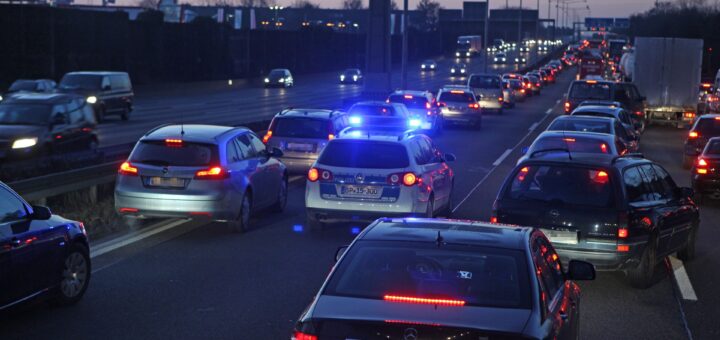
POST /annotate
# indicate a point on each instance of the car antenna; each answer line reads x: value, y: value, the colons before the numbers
x: 439, y: 240
x: 182, y: 129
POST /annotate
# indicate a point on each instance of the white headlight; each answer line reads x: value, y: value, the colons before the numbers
x: 355, y: 77
x: 516, y: 59
x: 91, y: 100
x: 494, y: 59
x: 267, y: 80
x: 282, y: 80
x: 467, y: 54
x: 503, y: 59
x: 24, y: 143
x: 432, y: 66
x: 462, y: 70
x: 422, y: 66
x: 452, y: 70
x: 342, y: 77
x: 457, y: 54
x: 415, y: 122
x: 0, y: 97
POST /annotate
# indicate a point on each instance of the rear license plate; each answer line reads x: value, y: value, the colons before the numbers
x: 172, y: 182
x: 360, y: 191
x: 300, y: 147
x: 561, y: 236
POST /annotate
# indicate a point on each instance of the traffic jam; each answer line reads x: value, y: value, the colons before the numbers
x: 580, y: 199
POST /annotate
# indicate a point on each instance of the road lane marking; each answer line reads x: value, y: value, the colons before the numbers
x: 682, y: 279
x: 532, y: 127
x: 502, y: 157
x: 558, y: 101
x: 549, y: 111
x: 106, y: 247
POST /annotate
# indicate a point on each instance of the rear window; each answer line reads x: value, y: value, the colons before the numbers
x: 713, y: 148
x: 584, y: 90
x: 708, y: 127
x: 372, y: 110
x: 458, y: 97
x: 185, y: 154
x: 573, y: 144
x: 301, y: 128
x: 584, y: 125
x: 479, y: 276
x: 561, y: 185
x: 594, y: 114
x: 411, y: 102
x: 364, y: 154
x: 484, y: 82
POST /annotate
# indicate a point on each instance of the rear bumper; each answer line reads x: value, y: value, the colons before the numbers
x: 604, y: 255
x: 462, y: 118
x: 298, y: 165
x: 220, y: 208
x: 705, y: 184
x: 492, y: 104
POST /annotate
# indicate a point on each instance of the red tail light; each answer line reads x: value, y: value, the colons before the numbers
x: 500, y: 99
x: 693, y: 135
x: 567, y: 106
x: 622, y: 233
x: 410, y: 299
x: 267, y: 136
x: 297, y: 335
x: 537, y: 84
x: 173, y: 142
x: 331, y: 136
x: 428, y: 105
x: 474, y: 106
x: 689, y: 115
x: 603, y: 148
x: 315, y: 174
x: 409, y: 179
x: 701, y: 162
x: 128, y: 170
x: 701, y: 167
x: 129, y: 210
x: 638, y: 113
x: 493, y: 219
x: 214, y: 172
x: 523, y: 172
x: 600, y: 177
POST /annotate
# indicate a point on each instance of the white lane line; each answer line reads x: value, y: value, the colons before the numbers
x: 502, y: 157
x: 532, y: 127
x: 549, y: 111
x: 682, y: 279
x: 111, y: 245
x: 558, y: 101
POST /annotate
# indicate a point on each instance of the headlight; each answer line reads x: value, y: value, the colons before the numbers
x: 0, y: 97
x: 91, y: 100
x: 462, y: 70
x: 282, y: 80
x: 516, y: 60
x: 415, y: 122
x: 494, y: 59
x: 355, y: 77
x: 457, y: 54
x: 342, y: 77
x: 503, y: 59
x: 422, y: 66
x: 467, y: 54
x: 267, y: 80
x: 24, y: 143
x: 355, y: 120
x: 452, y: 70
x: 431, y: 66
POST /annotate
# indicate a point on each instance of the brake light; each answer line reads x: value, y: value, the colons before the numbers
x: 297, y: 335
x: 689, y: 115
x: 571, y: 140
x: 173, y: 142
x: 409, y: 299
x: 407, y: 96
x: 567, y: 106
x: 523, y: 172
x: 129, y: 210
x: 428, y: 105
x: 601, y: 177
x: 493, y: 219
x: 313, y: 175
x: 706, y: 85
x: 603, y: 148
x: 693, y: 135
x: 622, y: 233
x: 215, y: 172
x: 331, y: 136
x: 500, y: 99
x: 409, y: 179
x: 457, y: 91
x: 128, y: 170
x: 267, y: 136
x: 701, y: 167
x: 474, y: 106
x: 701, y: 162
x: 522, y: 90
x: 537, y: 84
x: 623, y: 247
x: 638, y: 113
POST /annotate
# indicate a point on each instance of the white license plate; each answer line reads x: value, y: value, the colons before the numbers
x: 360, y: 191
x: 561, y: 236
x: 172, y: 182
x: 300, y: 147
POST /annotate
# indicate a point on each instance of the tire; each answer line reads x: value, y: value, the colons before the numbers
x: 100, y: 114
x: 125, y: 115
x: 281, y: 202
x: 687, y: 252
x: 641, y: 276
x: 687, y: 162
x: 75, y: 275
x: 242, y: 222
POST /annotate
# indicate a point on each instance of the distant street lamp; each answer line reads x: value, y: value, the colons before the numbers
x: 277, y: 10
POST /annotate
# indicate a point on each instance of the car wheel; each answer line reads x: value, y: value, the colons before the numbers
x: 430, y: 211
x: 100, y: 114
x: 281, y: 202
x: 642, y: 275
x: 242, y: 222
x: 687, y: 162
x: 75, y: 275
x: 687, y: 252
x: 125, y: 115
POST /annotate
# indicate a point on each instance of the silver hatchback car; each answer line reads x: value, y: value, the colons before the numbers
x: 366, y: 174
x: 458, y: 105
x: 217, y: 172
x: 488, y: 89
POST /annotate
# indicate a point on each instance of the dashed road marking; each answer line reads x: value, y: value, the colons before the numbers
x: 549, y: 111
x: 106, y: 247
x: 502, y: 157
x: 532, y: 127
x: 682, y: 279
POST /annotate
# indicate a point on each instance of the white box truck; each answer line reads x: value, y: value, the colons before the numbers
x: 468, y: 46
x: 667, y: 72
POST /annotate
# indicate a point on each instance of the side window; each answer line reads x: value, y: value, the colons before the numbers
x: 244, y: 146
x: 105, y: 82
x: 635, y: 186
x: 667, y: 182
x: 231, y: 152
x: 11, y: 208
x: 624, y: 117
x: 655, y: 184
x: 548, y: 268
x: 256, y: 143
x: 75, y: 112
x: 423, y: 151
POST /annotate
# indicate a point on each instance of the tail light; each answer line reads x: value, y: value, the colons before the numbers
x: 493, y: 219
x: 567, y: 106
x: 622, y: 233
x: 500, y: 99
x: 173, y: 142
x: 315, y: 174
x: 693, y: 135
x: 215, y: 172
x: 690, y: 115
x: 297, y: 335
x: 537, y: 84
x: 428, y: 105
x: 474, y: 106
x: 701, y: 167
x: 127, y: 169
x: 129, y: 210
x: 522, y: 90
x: 411, y: 299
x: 267, y: 136
x: 409, y: 179
x: 331, y: 136
x: 603, y: 148
x: 638, y: 113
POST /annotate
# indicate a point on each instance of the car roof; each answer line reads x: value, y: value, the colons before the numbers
x: 310, y: 113
x: 411, y: 92
x: 449, y: 231
x: 558, y: 133
x: 99, y: 73
x: 586, y: 159
x: 40, y: 98
x: 709, y: 116
x: 191, y: 132
x: 606, y: 119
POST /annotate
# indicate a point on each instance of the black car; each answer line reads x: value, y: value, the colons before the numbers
x: 618, y: 212
x: 446, y: 279
x: 625, y: 93
x: 40, y: 253
x: 32, y: 85
x: 705, y: 173
x: 704, y: 128
x: 351, y: 76
x: 36, y: 124
x: 108, y: 92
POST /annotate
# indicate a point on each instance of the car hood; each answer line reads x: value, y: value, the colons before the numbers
x: 19, y: 131
x: 370, y: 310
x: 82, y: 92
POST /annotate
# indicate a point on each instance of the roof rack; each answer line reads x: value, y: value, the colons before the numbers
x: 627, y: 155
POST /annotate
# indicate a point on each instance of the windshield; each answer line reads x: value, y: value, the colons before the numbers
x: 479, y: 276
x: 301, y: 128
x: 22, y: 85
x: 277, y: 74
x: 585, y: 90
x: 25, y: 114
x: 457, y: 97
x: 372, y: 110
x: 188, y: 154
x: 571, y: 143
x: 708, y: 127
x: 584, y: 125
x: 485, y: 82
x: 562, y: 185
x: 364, y: 154
x: 411, y: 102
x: 80, y: 81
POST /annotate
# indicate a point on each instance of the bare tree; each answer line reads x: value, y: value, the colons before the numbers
x: 305, y: 4
x: 149, y: 4
x: 393, y: 5
x: 255, y: 3
x: 352, y: 4
x: 430, y: 9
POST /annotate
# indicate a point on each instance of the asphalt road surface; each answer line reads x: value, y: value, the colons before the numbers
x: 199, y: 281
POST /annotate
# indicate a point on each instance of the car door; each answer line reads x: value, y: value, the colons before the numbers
x: 683, y: 212
x: 558, y: 300
x: 442, y: 174
x: 253, y: 169
x: 272, y: 169
x: 664, y: 210
x: 61, y: 136
x: 236, y: 165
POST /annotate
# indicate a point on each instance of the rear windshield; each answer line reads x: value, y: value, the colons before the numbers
x: 479, y: 276
x: 301, y: 128
x: 584, y: 125
x: 708, y: 127
x: 573, y: 144
x: 561, y: 185
x: 372, y: 110
x: 464, y: 97
x: 584, y: 90
x: 23, y: 85
x: 594, y: 114
x: 186, y: 154
x: 413, y: 102
x: 364, y: 154
x: 485, y: 82
x: 713, y: 148
x: 80, y: 81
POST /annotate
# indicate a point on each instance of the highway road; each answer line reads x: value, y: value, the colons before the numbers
x: 199, y: 281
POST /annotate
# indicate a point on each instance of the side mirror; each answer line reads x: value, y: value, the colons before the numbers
x: 340, y: 252
x: 449, y: 157
x: 524, y: 150
x: 275, y: 152
x: 59, y: 119
x: 40, y: 213
x: 580, y: 271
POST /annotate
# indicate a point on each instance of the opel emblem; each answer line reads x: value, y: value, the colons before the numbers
x: 554, y: 213
x: 359, y: 178
x: 165, y: 170
x: 410, y: 334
